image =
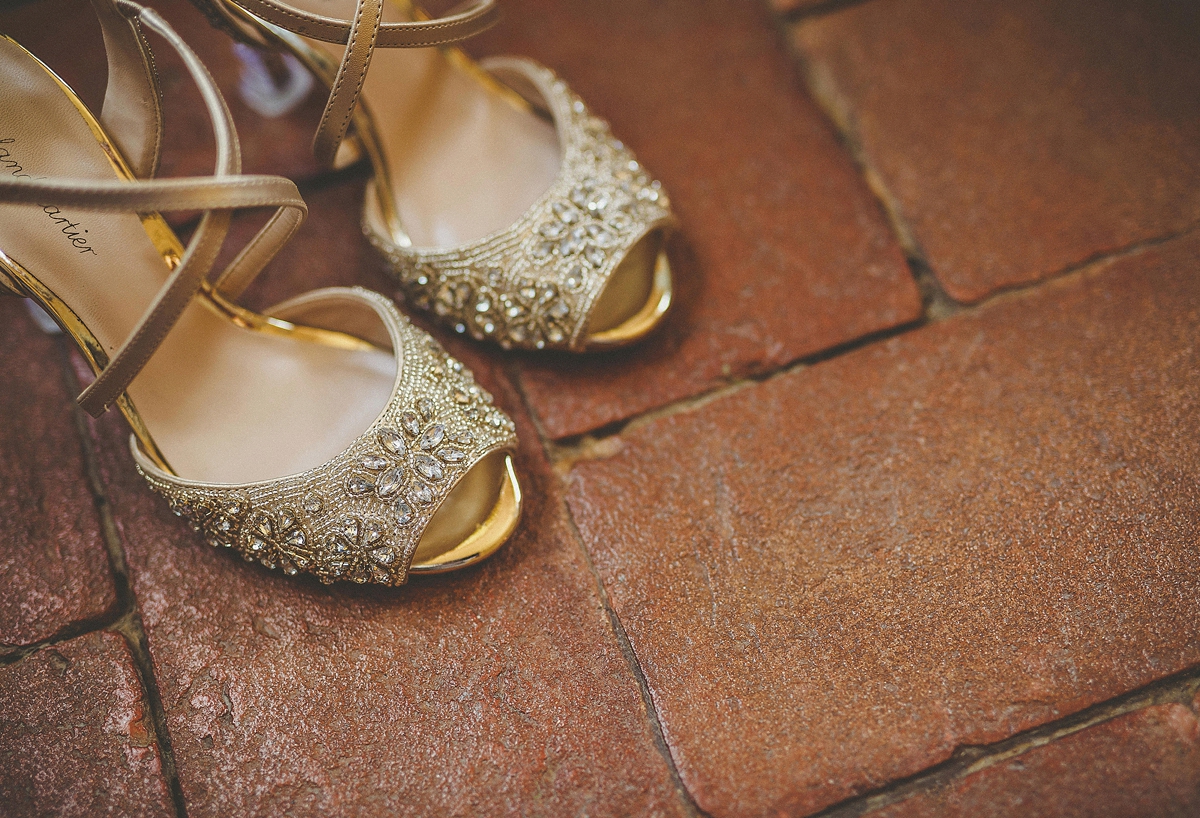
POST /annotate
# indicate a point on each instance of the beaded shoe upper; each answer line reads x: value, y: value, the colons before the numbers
x: 534, y: 284
x: 360, y: 516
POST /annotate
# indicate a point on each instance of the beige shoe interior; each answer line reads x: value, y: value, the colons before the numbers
x: 466, y: 157
x: 229, y: 397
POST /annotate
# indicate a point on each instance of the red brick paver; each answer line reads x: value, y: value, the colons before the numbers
x: 1020, y: 137
x: 783, y: 251
x: 835, y: 578
x: 1144, y: 764
x: 75, y: 735
x: 492, y: 691
x: 53, y: 563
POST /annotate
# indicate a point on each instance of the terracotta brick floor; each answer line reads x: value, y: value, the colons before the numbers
x: 898, y: 515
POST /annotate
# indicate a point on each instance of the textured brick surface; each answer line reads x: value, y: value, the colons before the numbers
x: 783, y: 250
x: 1146, y: 763
x: 1019, y: 136
x: 493, y: 691
x: 75, y: 735
x: 834, y: 578
x: 53, y: 563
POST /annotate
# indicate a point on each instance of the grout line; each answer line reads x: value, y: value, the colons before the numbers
x: 11, y: 654
x: 965, y: 761
x: 590, y: 445
x: 566, y: 451
x: 129, y: 622
x: 623, y: 643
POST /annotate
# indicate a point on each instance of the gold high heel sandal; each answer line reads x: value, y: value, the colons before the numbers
x: 328, y: 436
x: 525, y: 232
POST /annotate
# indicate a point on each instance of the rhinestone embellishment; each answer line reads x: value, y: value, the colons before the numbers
x: 359, y: 517
x: 532, y: 285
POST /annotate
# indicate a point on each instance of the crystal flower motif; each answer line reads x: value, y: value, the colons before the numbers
x: 357, y: 550
x: 410, y: 464
x: 276, y: 540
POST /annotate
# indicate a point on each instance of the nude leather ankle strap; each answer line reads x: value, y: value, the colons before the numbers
x: 217, y: 196
x: 362, y: 34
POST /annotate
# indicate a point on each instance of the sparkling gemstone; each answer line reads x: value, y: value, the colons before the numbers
x: 404, y: 513
x: 372, y: 533
x: 390, y: 482
x: 597, y: 201
x: 350, y: 528
x: 451, y: 455
x: 466, y: 438
x: 460, y: 327
x: 483, y: 305
x: 552, y: 230
x: 575, y: 277
x: 433, y: 437
x: 301, y: 561
x: 423, y: 493
x: 262, y: 525
x: 374, y: 462
x: 595, y: 256
x: 528, y: 291
x: 379, y: 575
x: 383, y: 555
x: 287, y: 519
x: 559, y: 309
x: 554, y: 335
x: 488, y: 327
x: 391, y: 440
x: 620, y: 221
x: 647, y: 194
x: 425, y: 407
x: 288, y: 567
x: 295, y: 538
x: 256, y: 544
x: 358, y: 485
x: 427, y: 467
x: 566, y: 212
x: 573, y: 242
x: 461, y: 395
x: 601, y: 236
x: 578, y: 107
x: 410, y: 422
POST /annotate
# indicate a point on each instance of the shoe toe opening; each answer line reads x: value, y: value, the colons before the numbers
x: 635, y: 298
x: 474, y: 520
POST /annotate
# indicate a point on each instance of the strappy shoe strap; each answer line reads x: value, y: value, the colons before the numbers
x: 132, y: 109
x: 347, y: 85
x: 362, y: 34
x: 218, y: 196
x: 460, y: 23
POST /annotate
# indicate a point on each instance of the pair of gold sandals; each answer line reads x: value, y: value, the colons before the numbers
x: 328, y: 435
